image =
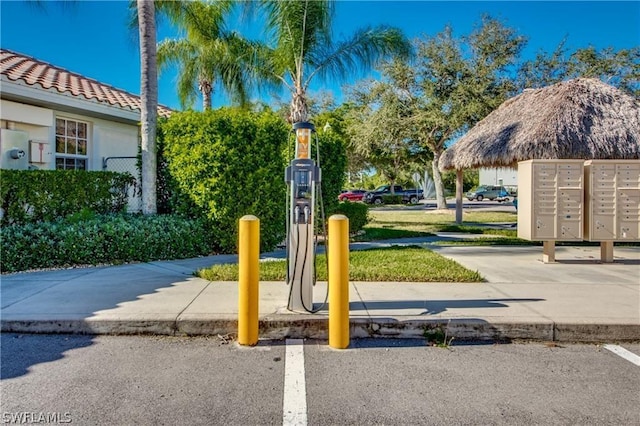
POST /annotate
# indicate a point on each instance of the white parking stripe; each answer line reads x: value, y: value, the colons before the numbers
x: 294, y: 406
x: 629, y: 356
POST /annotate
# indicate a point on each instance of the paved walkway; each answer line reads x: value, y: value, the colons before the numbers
x: 575, y: 299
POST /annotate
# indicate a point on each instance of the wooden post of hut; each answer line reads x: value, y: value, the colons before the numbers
x: 459, y: 184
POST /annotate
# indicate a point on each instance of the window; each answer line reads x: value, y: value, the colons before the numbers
x: 71, y: 144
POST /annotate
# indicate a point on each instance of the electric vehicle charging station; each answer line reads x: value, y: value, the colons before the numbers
x: 303, y: 177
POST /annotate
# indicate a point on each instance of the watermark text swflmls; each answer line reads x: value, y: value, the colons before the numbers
x: 30, y: 417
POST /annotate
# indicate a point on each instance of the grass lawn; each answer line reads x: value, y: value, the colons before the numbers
x: 403, y: 264
x: 406, y: 264
x: 388, y: 224
x: 433, y: 221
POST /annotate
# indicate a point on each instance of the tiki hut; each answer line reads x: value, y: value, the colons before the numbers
x: 581, y: 118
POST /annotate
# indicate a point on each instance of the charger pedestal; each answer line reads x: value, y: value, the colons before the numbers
x: 302, y: 177
x: 301, y: 268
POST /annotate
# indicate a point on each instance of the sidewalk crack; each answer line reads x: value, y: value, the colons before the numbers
x: 192, y: 300
x: 363, y: 304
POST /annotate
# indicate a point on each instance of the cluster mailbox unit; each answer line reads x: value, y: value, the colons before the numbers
x: 550, y: 202
x: 613, y: 203
x: 574, y: 200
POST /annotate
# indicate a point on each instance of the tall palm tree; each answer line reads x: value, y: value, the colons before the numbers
x: 149, y: 102
x: 302, y: 47
x: 207, y: 54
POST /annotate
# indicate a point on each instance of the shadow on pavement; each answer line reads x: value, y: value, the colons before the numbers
x: 69, y: 302
x: 20, y: 352
x: 433, y: 307
x: 598, y: 262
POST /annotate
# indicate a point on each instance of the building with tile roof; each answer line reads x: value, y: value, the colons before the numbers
x: 52, y: 118
x: 54, y: 84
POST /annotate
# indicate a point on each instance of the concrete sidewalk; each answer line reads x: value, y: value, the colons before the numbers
x: 575, y: 299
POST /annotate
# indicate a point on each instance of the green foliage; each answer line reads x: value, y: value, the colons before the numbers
x: 436, y: 336
x: 421, y: 105
x: 170, y: 199
x: 333, y: 163
x: 372, y: 181
x: 302, y: 48
x: 358, y: 214
x: 209, y: 55
x: 102, y: 239
x: 81, y: 216
x: 391, y: 199
x: 617, y: 68
x: 228, y: 163
x: 48, y: 195
x: 470, y: 179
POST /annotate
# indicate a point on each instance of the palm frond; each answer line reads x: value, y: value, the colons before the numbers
x: 362, y: 51
x: 297, y: 27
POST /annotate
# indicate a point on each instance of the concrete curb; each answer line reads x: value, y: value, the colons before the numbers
x: 315, y: 327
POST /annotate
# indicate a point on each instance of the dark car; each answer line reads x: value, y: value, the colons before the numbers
x: 352, y: 195
x: 489, y: 192
x: 377, y: 196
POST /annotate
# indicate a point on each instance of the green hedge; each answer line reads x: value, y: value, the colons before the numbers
x: 392, y: 199
x: 228, y: 163
x: 333, y: 164
x: 28, y: 196
x: 102, y: 239
x: 225, y: 163
x: 358, y: 214
x: 170, y: 199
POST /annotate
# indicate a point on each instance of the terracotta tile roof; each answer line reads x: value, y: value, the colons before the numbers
x: 32, y: 72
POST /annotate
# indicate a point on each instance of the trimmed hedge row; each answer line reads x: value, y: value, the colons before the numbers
x: 109, y: 239
x: 358, y: 214
x: 392, y: 199
x: 229, y: 163
x: 28, y: 196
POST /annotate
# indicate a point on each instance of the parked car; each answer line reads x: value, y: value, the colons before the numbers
x: 498, y: 193
x: 352, y: 195
x: 376, y: 196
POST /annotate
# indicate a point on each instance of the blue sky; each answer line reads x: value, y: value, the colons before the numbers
x: 92, y: 38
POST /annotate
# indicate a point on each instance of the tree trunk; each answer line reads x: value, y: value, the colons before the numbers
x: 441, y: 202
x: 459, y: 183
x: 206, y: 90
x: 299, y: 112
x: 148, y: 103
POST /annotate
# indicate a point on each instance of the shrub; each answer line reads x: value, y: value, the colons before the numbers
x: 391, y: 199
x: 170, y: 199
x: 358, y: 214
x: 333, y: 163
x: 48, y: 195
x: 229, y: 163
x: 470, y: 179
x: 102, y: 239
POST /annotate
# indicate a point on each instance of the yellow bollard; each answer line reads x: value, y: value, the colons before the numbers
x: 249, y: 276
x: 338, y: 281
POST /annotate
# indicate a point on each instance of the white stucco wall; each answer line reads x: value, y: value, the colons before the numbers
x: 499, y: 176
x: 113, y: 140
x: 106, y: 138
x: 25, y: 114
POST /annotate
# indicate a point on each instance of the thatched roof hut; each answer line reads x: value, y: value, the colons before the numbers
x: 581, y: 118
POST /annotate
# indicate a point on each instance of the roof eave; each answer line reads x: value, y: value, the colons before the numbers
x: 62, y: 102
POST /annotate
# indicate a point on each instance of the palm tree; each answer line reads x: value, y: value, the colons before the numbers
x: 208, y: 54
x: 149, y: 102
x: 302, y: 47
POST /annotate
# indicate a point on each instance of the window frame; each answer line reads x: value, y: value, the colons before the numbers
x: 71, y: 138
